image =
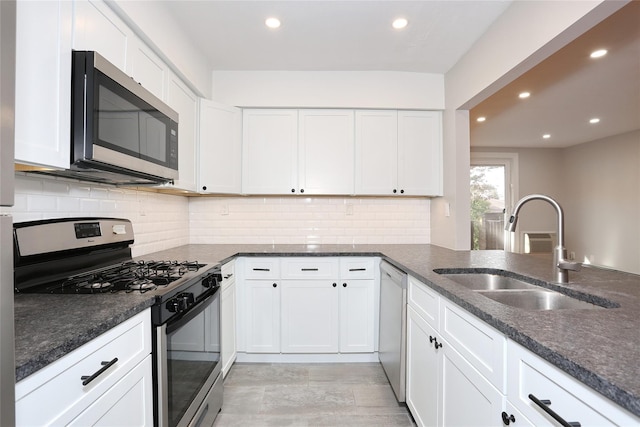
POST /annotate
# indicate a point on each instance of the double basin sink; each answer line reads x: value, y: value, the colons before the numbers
x: 503, y: 287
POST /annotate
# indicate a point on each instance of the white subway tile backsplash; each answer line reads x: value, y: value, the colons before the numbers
x: 163, y: 221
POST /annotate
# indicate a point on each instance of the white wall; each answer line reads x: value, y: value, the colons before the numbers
x: 159, y: 221
x: 602, y: 192
x: 308, y: 221
x: 527, y: 33
x: 339, y: 89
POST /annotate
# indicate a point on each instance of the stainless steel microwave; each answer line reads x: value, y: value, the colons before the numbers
x: 120, y: 132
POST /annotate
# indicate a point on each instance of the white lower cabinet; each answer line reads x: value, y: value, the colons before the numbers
x: 423, y: 370
x: 228, y: 304
x: 443, y: 387
x: 308, y: 305
x: 263, y: 316
x: 310, y: 310
x: 64, y: 393
x: 467, y: 397
x: 127, y: 403
x: 529, y: 377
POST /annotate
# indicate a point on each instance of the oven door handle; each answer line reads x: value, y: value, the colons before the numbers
x: 178, y: 321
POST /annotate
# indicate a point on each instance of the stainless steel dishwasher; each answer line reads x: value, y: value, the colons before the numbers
x: 393, y: 325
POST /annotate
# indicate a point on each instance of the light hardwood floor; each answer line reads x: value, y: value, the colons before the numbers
x: 327, y: 395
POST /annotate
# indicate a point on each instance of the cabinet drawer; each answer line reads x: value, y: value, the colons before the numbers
x: 425, y: 301
x: 357, y: 268
x: 57, y: 390
x: 529, y: 374
x: 262, y: 268
x: 481, y: 345
x: 310, y: 268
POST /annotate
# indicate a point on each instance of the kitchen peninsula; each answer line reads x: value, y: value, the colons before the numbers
x: 597, y: 347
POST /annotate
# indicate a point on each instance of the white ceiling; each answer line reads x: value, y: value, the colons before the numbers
x: 568, y: 89
x: 322, y: 35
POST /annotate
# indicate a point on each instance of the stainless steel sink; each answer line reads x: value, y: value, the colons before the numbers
x: 502, y: 287
x: 537, y: 299
x: 488, y: 281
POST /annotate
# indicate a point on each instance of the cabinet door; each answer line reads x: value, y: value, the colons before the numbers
x: 423, y: 371
x: 129, y: 402
x: 310, y: 316
x: 185, y: 102
x: 326, y: 151
x: 263, y: 316
x: 468, y: 399
x: 269, y: 151
x: 220, y: 148
x: 420, y: 153
x: 228, y: 326
x: 357, y: 316
x: 97, y: 27
x: 43, y: 83
x: 147, y: 68
x: 376, y: 142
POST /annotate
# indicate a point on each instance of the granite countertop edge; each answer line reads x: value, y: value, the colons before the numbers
x: 421, y: 271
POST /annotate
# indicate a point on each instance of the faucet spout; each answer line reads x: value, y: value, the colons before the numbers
x: 560, y: 262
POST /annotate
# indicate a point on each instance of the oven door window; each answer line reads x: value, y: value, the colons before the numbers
x: 193, y: 353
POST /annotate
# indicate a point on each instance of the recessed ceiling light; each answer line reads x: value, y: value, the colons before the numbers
x: 594, y: 120
x: 272, y: 22
x: 598, y: 53
x: 400, y: 23
x: 481, y: 119
x: 524, y: 95
x: 546, y: 136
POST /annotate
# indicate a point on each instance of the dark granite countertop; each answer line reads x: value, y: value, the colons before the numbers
x: 598, y: 347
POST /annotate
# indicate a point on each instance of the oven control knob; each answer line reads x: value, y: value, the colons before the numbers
x: 210, y: 281
x: 180, y: 303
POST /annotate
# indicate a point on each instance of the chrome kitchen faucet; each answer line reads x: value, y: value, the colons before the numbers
x: 560, y: 261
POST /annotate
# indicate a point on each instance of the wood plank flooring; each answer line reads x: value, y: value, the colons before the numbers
x: 303, y: 395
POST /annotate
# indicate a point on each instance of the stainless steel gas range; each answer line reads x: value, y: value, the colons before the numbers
x: 93, y: 256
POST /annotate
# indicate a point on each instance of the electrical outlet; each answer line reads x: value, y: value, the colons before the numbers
x: 447, y: 209
x: 572, y: 255
x: 349, y: 209
x: 224, y: 209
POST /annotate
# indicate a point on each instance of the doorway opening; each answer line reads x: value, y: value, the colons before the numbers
x: 492, y: 185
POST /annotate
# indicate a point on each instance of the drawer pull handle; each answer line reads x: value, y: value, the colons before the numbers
x: 508, y: 419
x: 105, y: 365
x: 543, y: 404
x: 228, y: 276
x: 309, y: 269
x: 261, y: 269
x: 357, y: 269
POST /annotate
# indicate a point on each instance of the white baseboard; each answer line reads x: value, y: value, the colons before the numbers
x: 307, y: 358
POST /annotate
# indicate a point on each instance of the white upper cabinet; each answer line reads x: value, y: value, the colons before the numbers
x: 326, y: 151
x: 398, y: 153
x: 220, y: 148
x: 269, y: 151
x: 148, y: 69
x: 185, y: 102
x: 376, y: 145
x: 43, y: 83
x: 420, y: 153
x: 96, y: 27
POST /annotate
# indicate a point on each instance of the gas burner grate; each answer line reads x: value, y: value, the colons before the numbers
x: 129, y: 276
